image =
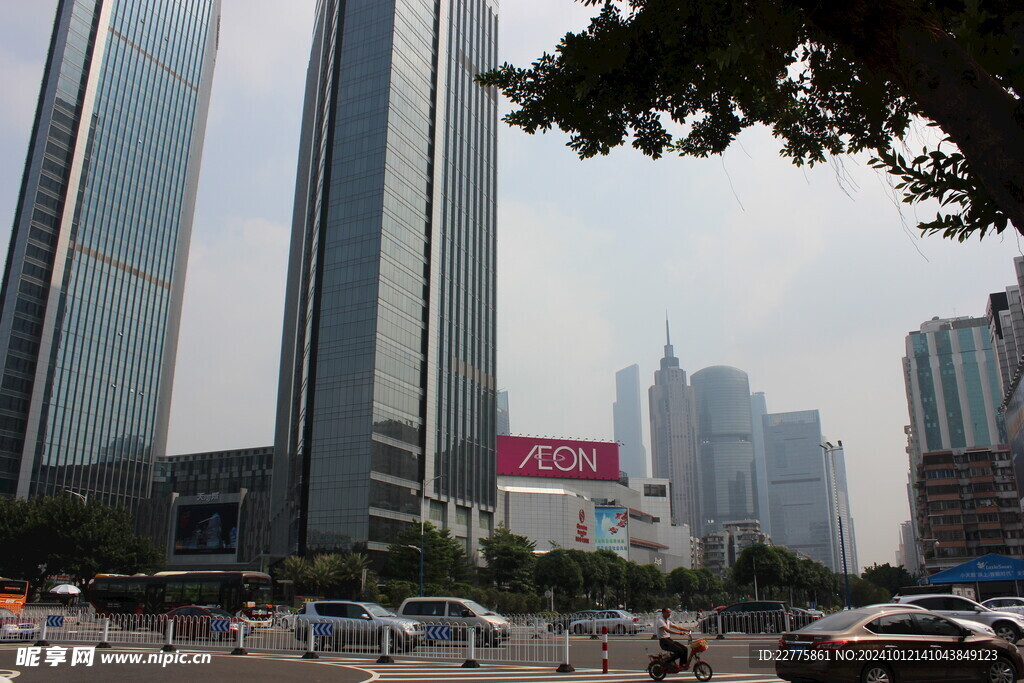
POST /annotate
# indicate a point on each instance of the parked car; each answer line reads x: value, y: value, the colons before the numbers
x: 361, y: 624
x: 284, y: 616
x: 257, y: 617
x: 490, y: 627
x: 976, y: 626
x: 755, y: 616
x: 1007, y: 625
x: 618, y: 621
x: 13, y: 627
x: 193, y: 621
x: 806, y: 616
x: 559, y: 624
x: 1007, y: 604
x: 861, y: 632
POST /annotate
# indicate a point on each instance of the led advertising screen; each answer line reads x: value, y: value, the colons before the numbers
x: 612, y: 531
x: 534, y: 457
x: 208, y: 529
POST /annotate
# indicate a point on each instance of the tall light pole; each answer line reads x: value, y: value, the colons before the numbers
x: 423, y: 520
x: 830, y: 454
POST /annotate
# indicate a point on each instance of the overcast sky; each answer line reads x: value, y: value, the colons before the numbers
x: 806, y: 279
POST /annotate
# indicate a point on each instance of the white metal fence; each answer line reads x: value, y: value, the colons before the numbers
x: 534, y: 639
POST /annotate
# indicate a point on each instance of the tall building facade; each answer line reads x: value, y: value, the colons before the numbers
x: 1005, y: 315
x: 628, y: 420
x: 953, y: 389
x: 798, y: 485
x: 758, y: 409
x: 725, y: 450
x: 386, y: 407
x: 504, y: 421
x: 92, y: 290
x: 839, y: 504
x: 673, y: 437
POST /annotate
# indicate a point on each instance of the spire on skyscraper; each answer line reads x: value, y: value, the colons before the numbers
x: 670, y: 360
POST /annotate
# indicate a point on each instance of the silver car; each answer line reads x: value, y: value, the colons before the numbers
x: 1007, y: 625
x: 616, y: 620
x: 1007, y: 604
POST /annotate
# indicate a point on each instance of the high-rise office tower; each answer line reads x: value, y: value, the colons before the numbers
x: 799, y: 486
x: 725, y: 448
x: 956, y: 445
x: 92, y: 290
x: 758, y: 409
x: 673, y: 440
x: 503, y: 424
x: 839, y: 504
x: 627, y: 419
x: 386, y: 407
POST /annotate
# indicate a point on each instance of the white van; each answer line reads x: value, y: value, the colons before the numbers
x: 491, y: 628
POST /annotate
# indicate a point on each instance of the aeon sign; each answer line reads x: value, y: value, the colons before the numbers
x: 529, y: 457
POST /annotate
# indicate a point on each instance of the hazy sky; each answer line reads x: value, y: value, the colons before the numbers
x: 808, y: 280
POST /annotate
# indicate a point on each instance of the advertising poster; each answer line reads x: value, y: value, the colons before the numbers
x: 612, y: 531
x: 209, y: 529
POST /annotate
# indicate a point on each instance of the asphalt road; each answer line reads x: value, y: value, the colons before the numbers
x: 628, y: 656
x: 254, y: 668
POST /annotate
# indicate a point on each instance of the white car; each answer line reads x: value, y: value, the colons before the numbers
x: 13, y: 627
x: 1007, y: 625
x: 1007, y: 604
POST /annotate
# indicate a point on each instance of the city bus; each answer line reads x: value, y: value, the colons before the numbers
x: 163, y: 591
x: 13, y: 594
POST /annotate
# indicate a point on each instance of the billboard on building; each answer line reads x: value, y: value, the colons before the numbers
x: 525, y: 456
x: 612, y: 532
x: 206, y: 529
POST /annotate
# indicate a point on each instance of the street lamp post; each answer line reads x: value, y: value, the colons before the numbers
x: 423, y: 519
x: 82, y: 497
x: 830, y: 453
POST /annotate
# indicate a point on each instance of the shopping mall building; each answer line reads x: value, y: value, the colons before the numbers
x: 571, y: 494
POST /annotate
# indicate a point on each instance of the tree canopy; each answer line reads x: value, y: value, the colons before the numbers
x: 843, y: 76
x: 63, y: 535
x: 509, y: 559
x: 444, y: 557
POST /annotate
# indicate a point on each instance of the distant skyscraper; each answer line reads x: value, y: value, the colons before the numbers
x: 673, y: 440
x: 840, y: 504
x: 799, y: 488
x: 504, y: 423
x: 758, y: 409
x: 626, y: 414
x: 387, y: 383
x: 725, y: 451
x: 92, y: 292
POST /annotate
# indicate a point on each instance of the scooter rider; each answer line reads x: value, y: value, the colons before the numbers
x: 664, y: 628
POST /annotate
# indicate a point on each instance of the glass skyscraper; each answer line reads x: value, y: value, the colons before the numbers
x: 386, y: 408
x: 725, y: 448
x: 628, y: 420
x: 92, y: 290
x: 673, y: 437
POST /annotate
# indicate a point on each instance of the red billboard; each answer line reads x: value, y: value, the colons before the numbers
x: 526, y: 456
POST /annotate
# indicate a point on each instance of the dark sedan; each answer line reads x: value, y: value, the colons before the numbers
x: 887, y: 644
